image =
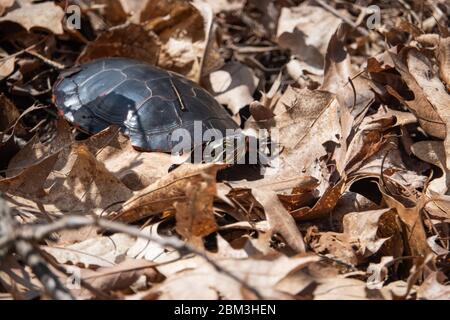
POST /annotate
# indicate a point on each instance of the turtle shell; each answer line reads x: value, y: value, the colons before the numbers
x: 148, y: 103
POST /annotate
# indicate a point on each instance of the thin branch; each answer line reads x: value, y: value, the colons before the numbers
x: 49, y: 280
x: 39, y: 232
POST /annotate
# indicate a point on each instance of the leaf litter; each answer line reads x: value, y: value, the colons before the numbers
x: 353, y: 205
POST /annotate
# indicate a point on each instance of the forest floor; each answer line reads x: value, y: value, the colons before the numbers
x: 354, y: 203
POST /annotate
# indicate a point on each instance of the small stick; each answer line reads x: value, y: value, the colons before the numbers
x: 39, y: 232
x: 48, y: 61
x: 49, y: 280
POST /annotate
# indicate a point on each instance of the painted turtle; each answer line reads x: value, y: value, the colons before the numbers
x: 148, y: 103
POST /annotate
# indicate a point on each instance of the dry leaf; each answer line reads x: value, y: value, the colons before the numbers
x: 161, y: 195
x: 130, y: 41
x: 150, y: 250
x: 347, y: 289
x: 226, y: 5
x: 306, y: 31
x: 135, y: 169
x: 262, y: 274
x: 280, y: 221
x: 195, y: 216
x: 300, y: 117
x: 422, y: 108
x: 86, y: 184
x: 233, y: 85
x: 434, y: 152
x: 7, y: 65
x: 103, y: 251
x: 379, y: 273
x: 113, y: 11
x: 46, y: 15
x: 8, y: 113
x: 181, y: 29
x: 444, y: 60
x: 415, y: 231
x: 324, y: 205
x: 118, y: 277
x: 433, y: 289
x: 421, y: 69
x: 5, y: 4
x: 360, y: 238
x: 35, y: 151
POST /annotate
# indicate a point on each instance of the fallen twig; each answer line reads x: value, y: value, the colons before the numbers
x: 34, y: 233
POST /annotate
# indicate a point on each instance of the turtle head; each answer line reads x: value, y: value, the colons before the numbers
x: 230, y: 149
x: 239, y: 148
x: 235, y: 148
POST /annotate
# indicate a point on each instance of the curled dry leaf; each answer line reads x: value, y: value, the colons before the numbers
x: 379, y: 273
x: 279, y: 219
x: 130, y: 41
x: 211, y: 58
x: 162, y: 194
x: 72, y: 182
x: 195, y: 216
x: 118, y: 277
x: 434, y: 152
x: 422, y: 108
x: 338, y: 67
x: 306, y: 31
x: 360, y: 238
x: 433, y: 288
x: 46, y: 15
x: 410, y: 215
x: 8, y: 113
x: 135, y: 169
x: 262, y: 274
x: 300, y: 117
x: 353, y: 90
x: 183, y: 31
x: 421, y: 69
x: 323, y: 206
x: 102, y: 251
x: 368, y: 140
x: 233, y: 85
